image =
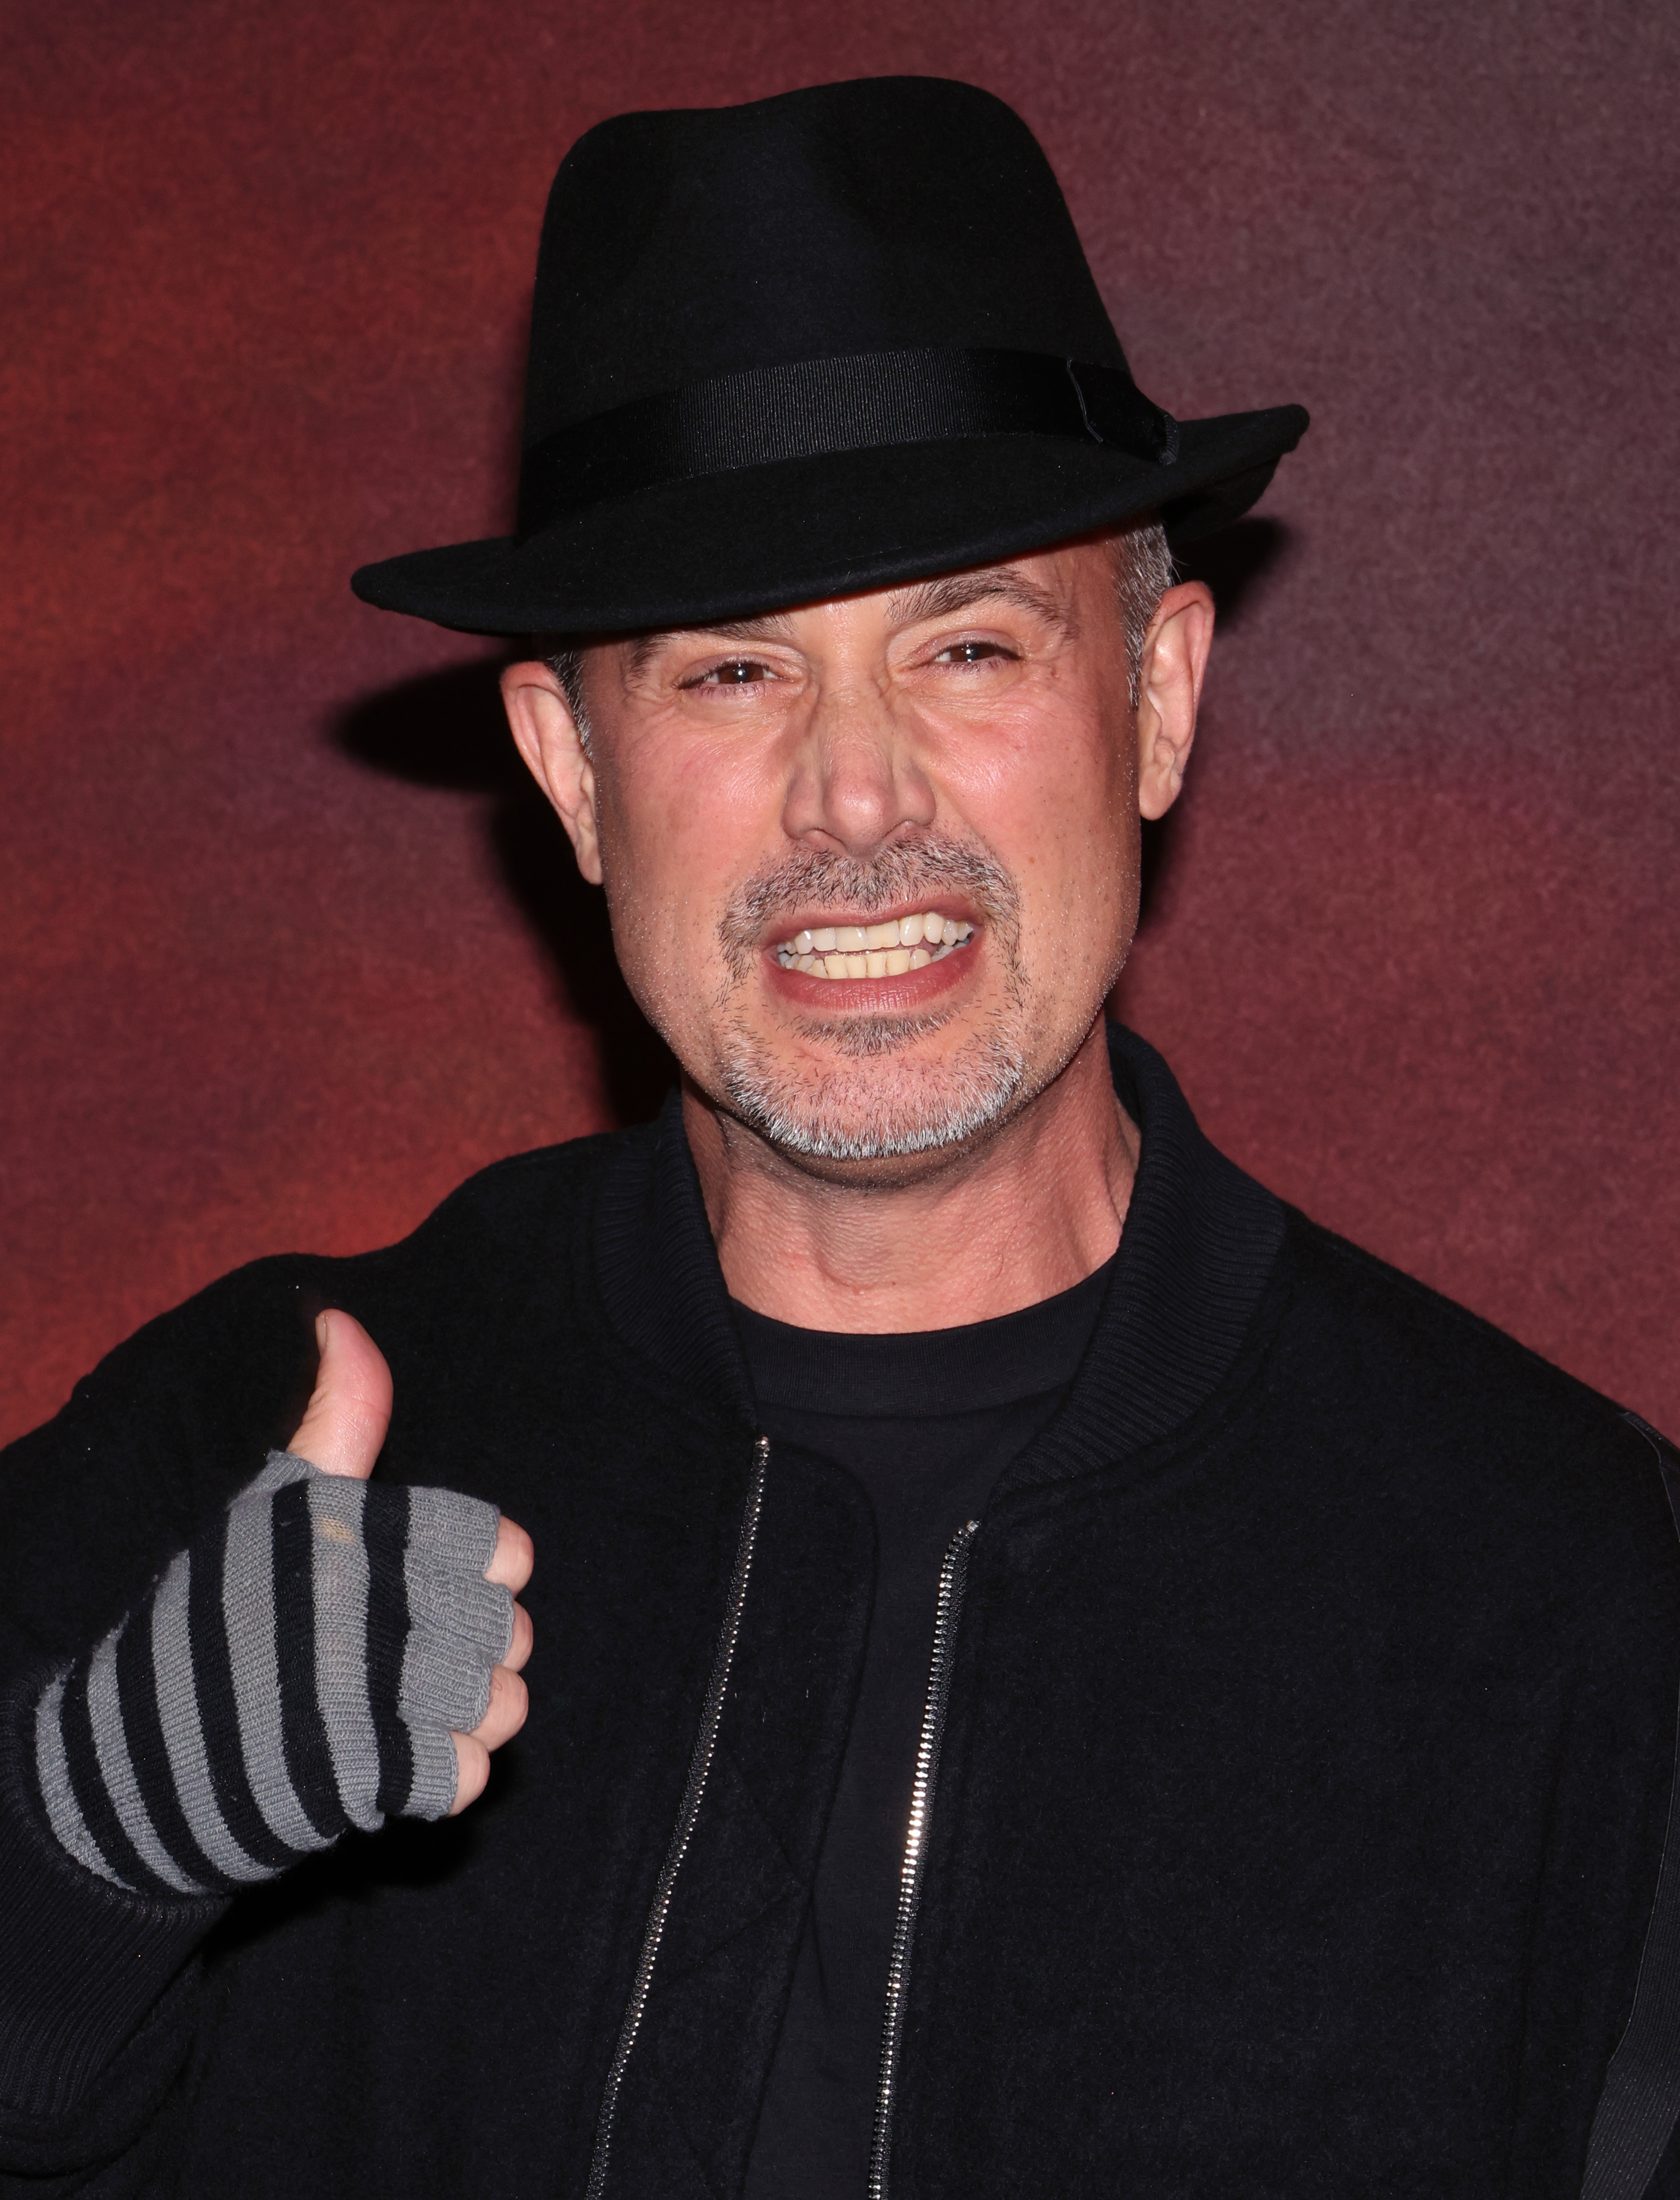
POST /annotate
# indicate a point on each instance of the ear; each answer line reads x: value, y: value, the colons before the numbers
x: 546, y: 735
x: 1169, y: 690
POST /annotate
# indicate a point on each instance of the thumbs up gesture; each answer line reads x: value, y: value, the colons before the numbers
x: 341, y: 1430
x: 329, y: 1652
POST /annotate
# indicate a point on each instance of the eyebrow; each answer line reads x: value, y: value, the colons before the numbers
x: 956, y: 592
x: 939, y: 598
x: 646, y: 646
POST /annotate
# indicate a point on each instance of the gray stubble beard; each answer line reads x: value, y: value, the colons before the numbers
x: 856, y: 1116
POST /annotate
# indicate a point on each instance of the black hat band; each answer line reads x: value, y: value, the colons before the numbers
x: 864, y: 401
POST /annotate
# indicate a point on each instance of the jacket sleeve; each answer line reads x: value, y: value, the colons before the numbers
x: 98, y: 1991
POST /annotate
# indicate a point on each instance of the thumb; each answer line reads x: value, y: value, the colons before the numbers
x: 347, y: 1418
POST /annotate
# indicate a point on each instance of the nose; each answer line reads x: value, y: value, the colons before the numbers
x: 855, y: 779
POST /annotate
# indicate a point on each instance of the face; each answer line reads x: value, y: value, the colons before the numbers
x: 872, y: 864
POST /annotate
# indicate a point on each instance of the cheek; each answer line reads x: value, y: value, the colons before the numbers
x: 1055, y: 803
x: 682, y: 823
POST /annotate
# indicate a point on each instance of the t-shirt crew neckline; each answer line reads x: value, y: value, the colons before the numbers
x: 923, y: 1374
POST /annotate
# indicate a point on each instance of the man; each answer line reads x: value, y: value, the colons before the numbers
x: 1054, y: 1674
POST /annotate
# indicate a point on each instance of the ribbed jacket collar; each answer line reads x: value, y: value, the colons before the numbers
x: 1199, y: 1242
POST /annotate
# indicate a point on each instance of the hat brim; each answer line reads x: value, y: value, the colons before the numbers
x: 729, y: 545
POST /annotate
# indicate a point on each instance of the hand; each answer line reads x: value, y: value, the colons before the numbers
x: 341, y: 1432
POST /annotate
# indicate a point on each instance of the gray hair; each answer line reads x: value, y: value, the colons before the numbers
x: 1143, y: 575
x: 566, y: 661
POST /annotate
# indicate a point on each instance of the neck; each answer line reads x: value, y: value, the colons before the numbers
x: 1025, y: 1213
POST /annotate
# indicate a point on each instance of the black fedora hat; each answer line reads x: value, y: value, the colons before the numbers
x: 815, y: 344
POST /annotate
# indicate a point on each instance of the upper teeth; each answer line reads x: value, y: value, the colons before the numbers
x: 873, y: 951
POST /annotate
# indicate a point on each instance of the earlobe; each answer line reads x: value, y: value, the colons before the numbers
x: 546, y: 734
x: 1174, y: 659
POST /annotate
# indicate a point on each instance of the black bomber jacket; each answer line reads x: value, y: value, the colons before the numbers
x: 1307, y: 1708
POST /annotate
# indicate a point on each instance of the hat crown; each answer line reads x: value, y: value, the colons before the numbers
x: 887, y: 213
x: 824, y: 343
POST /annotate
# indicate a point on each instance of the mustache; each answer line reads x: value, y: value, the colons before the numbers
x: 906, y: 871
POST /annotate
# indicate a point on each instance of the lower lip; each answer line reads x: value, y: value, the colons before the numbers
x: 914, y: 990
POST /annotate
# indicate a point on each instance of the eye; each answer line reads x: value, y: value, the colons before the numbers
x: 734, y: 672
x: 971, y: 653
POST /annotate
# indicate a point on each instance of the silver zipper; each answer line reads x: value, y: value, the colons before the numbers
x: 953, y: 1577
x: 700, y: 1766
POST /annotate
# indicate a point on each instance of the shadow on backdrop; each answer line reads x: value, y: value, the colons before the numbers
x: 446, y: 730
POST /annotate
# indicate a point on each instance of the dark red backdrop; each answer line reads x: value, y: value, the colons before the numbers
x: 287, y: 952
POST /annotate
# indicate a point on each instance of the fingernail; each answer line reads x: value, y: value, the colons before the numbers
x: 323, y: 1331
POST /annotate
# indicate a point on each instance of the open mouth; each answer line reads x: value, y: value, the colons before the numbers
x: 874, y: 951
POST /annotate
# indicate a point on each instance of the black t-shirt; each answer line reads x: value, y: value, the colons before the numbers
x: 926, y: 1423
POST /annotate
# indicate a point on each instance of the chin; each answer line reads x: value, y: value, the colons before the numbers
x: 874, y: 1106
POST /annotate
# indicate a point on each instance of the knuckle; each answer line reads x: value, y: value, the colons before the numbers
x: 508, y: 1707
x: 519, y: 1648
x: 473, y: 1770
x: 519, y: 1702
x: 516, y: 1550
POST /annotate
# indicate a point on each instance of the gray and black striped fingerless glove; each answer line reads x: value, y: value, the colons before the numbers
x: 295, y: 1672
